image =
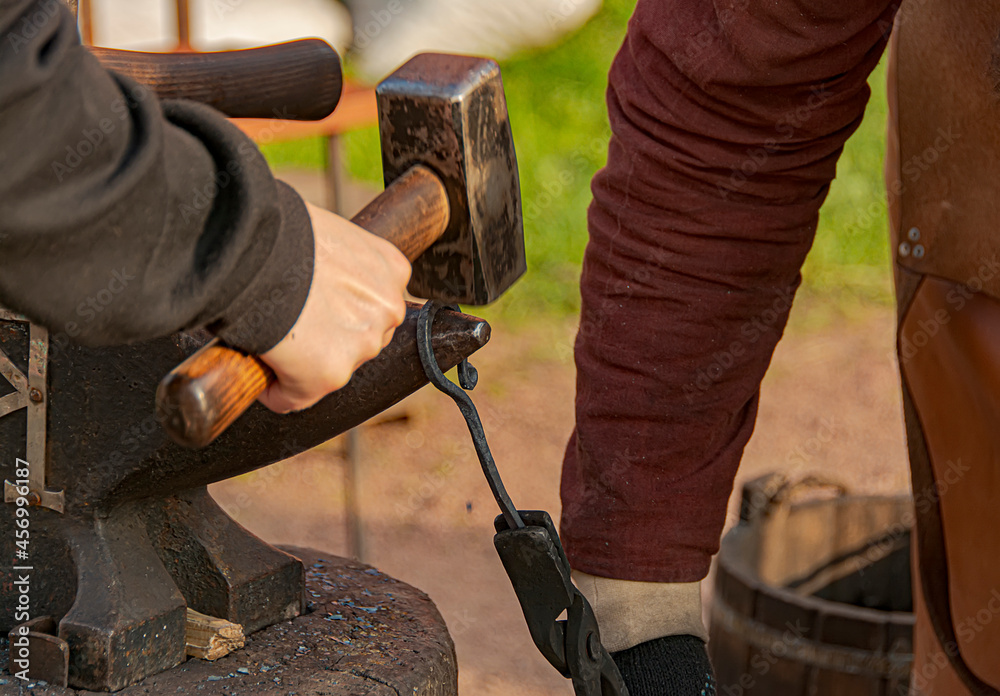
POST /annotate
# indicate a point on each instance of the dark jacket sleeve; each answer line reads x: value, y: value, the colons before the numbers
x: 728, y: 118
x: 123, y: 218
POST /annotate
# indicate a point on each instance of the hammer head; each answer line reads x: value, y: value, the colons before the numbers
x: 449, y: 113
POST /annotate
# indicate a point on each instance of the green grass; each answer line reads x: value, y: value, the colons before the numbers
x: 850, y: 257
x: 557, y: 113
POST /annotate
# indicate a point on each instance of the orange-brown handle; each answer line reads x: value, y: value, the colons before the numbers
x: 299, y: 80
x: 203, y: 395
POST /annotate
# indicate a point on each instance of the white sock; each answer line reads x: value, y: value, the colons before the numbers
x: 631, y: 612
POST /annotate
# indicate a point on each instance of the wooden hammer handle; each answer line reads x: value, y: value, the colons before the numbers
x: 203, y: 395
x: 298, y: 80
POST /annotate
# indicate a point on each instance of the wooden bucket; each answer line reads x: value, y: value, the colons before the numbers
x: 812, y: 594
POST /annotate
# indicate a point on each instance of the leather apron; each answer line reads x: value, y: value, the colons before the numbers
x: 943, y: 179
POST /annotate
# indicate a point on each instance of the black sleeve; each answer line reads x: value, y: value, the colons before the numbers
x: 123, y: 218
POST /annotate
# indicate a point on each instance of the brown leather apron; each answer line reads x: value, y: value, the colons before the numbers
x: 943, y: 176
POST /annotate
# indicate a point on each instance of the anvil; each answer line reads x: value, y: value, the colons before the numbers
x: 123, y: 533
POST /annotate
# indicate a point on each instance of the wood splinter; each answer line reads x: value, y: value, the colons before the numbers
x: 210, y: 638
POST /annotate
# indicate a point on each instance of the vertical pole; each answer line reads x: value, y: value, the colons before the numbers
x: 183, y: 26
x: 85, y: 14
x: 352, y: 473
x: 333, y: 174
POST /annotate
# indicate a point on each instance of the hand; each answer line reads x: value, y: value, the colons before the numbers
x: 354, y: 305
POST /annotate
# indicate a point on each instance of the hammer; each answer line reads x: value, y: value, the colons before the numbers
x: 451, y: 205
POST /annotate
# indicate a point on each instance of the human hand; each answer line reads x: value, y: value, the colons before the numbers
x: 354, y: 305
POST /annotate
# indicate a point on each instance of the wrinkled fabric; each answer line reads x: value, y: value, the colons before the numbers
x: 122, y: 218
x: 727, y: 121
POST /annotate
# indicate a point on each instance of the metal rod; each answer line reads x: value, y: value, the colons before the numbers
x: 85, y: 15
x: 183, y: 25
x: 352, y: 475
x: 335, y: 201
x: 468, y: 409
x: 333, y: 174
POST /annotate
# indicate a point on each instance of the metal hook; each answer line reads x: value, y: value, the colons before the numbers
x: 468, y: 377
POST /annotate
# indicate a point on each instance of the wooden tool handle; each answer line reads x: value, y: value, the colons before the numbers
x: 412, y: 212
x: 203, y: 395
x: 299, y: 80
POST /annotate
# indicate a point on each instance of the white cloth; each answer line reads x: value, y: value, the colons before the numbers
x: 151, y: 25
x: 388, y: 32
x: 630, y: 612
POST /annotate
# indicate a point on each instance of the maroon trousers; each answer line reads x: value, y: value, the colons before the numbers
x: 727, y: 120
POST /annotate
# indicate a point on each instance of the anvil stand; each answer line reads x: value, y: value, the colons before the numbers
x: 123, y: 534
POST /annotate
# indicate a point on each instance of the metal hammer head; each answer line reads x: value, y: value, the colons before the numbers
x: 448, y: 113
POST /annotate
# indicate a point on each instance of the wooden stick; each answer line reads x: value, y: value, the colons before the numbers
x: 209, y: 638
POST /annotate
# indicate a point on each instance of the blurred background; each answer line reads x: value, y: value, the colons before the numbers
x: 405, y: 491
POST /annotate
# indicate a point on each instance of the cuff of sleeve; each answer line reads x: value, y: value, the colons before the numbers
x: 630, y: 612
x: 269, y: 307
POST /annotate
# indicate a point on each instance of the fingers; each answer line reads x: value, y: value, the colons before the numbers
x: 294, y: 391
x: 354, y: 305
x: 398, y: 264
x: 387, y: 338
x: 276, y: 399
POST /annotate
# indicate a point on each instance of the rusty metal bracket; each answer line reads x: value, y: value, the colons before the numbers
x: 30, y: 393
x: 35, y: 647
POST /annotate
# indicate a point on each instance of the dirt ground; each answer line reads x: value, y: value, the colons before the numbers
x: 829, y: 404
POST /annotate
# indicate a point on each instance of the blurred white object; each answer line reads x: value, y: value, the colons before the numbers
x: 387, y: 32
x: 151, y: 25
